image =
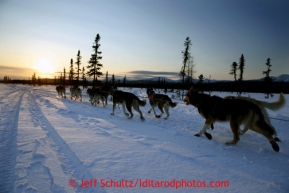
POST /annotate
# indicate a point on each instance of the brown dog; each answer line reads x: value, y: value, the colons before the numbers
x: 128, y: 99
x: 236, y: 111
x: 161, y: 101
x: 263, y: 105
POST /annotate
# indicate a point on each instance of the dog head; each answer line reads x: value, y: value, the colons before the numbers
x: 149, y: 91
x: 191, y: 97
x: 89, y: 90
x: 112, y: 89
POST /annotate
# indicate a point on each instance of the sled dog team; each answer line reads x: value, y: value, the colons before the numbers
x: 237, y: 110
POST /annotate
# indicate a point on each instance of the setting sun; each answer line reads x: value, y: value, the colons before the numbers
x: 44, y: 67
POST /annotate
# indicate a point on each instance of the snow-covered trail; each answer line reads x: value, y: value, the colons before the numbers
x: 59, y: 140
x: 9, y: 114
x: 42, y: 154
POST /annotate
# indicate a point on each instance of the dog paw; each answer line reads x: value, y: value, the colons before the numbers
x: 276, y: 139
x: 111, y: 114
x: 275, y: 146
x: 142, y: 119
x: 208, y: 135
x: 149, y: 112
x: 158, y: 116
x: 197, y: 135
x: 230, y: 143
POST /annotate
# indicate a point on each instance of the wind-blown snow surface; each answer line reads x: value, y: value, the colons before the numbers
x: 47, y: 142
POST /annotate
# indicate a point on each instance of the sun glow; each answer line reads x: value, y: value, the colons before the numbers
x: 44, y: 67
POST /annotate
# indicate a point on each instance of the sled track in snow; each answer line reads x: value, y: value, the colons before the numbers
x: 9, y: 114
x: 8, y: 94
x: 70, y: 163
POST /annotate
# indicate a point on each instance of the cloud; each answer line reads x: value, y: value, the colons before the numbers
x: 142, y: 74
x: 15, y: 72
x: 21, y: 73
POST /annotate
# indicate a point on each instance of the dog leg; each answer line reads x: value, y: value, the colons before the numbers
x: 203, y: 131
x: 102, y: 99
x: 244, y: 130
x: 161, y: 109
x: 113, y: 107
x: 93, y: 101
x: 276, y: 139
x: 106, y: 100
x: 260, y: 129
x: 150, y: 110
x: 138, y: 110
x: 235, y: 129
x: 129, y: 110
x: 123, y: 107
x: 157, y: 116
x: 166, y: 107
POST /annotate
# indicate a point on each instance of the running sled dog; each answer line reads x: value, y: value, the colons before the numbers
x: 129, y: 100
x: 161, y: 101
x: 61, y: 91
x: 237, y: 111
x: 95, y: 94
x: 75, y: 93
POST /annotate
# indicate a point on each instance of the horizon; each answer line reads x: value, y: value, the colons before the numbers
x: 136, y: 76
x: 144, y: 36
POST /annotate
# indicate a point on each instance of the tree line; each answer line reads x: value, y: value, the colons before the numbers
x: 77, y: 74
x: 187, y: 72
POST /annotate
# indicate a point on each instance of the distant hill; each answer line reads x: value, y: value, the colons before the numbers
x: 280, y: 78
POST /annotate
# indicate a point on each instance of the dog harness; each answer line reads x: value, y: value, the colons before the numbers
x: 151, y: 97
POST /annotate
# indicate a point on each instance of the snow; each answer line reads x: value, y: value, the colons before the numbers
x: 48, y: 144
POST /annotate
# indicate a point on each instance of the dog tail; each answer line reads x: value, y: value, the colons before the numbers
x: 172, y: 104
x: 275, y: 105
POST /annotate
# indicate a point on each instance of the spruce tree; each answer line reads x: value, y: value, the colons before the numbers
x: 39, y: 81
x: 124, y: 80
x: 83, y: 78
x: 60, y: 78
x: 94, y: 62
x: 106, y: 77
x: 233, y: 71
x: 201, y: 78
x: 33, y: 78
x: 267, y: 72
x: 64, y: 77
x: 186, y: 55
x: 112, y: 79
x: 71, y: 72
x: 190, y: 70
x: 267, y: 79
x: 78, y: 69
x: 200, y: 82
x: 241, y: 67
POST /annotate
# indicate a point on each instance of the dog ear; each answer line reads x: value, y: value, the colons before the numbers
x: 191, y: 91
